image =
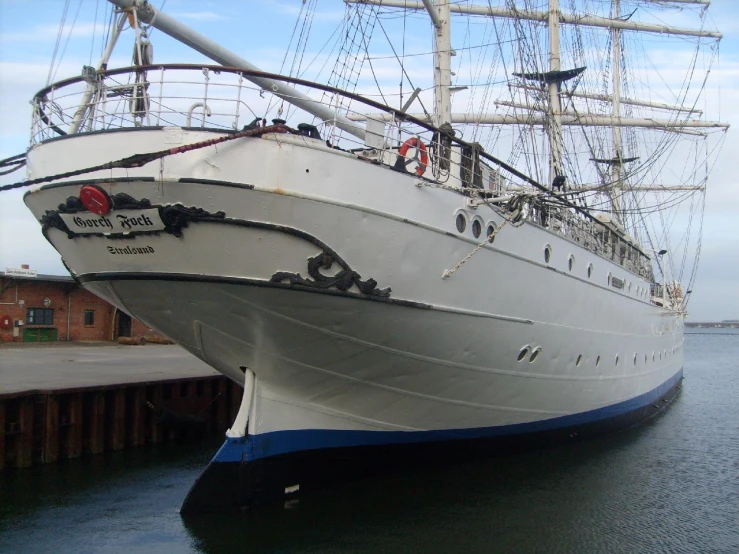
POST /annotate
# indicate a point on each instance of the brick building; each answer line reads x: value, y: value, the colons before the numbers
x: 42, y: 308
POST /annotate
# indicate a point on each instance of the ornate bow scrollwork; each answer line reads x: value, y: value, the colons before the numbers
x: 343, y: 280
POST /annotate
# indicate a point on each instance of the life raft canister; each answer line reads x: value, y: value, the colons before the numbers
x: 420, y: 147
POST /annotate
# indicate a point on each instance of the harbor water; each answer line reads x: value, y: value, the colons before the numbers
x: 670, y: 485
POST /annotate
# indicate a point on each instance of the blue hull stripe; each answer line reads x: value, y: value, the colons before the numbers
x: 274, y: 443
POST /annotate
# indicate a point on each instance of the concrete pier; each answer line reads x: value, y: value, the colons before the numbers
x: 65, y: 401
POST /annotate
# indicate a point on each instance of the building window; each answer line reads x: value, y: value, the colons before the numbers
x: 89, y: 318
x: 40, y: 316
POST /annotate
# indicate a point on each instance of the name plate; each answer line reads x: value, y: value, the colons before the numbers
x: 119, y: 221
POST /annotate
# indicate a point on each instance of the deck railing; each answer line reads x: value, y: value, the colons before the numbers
x: 224, y: 99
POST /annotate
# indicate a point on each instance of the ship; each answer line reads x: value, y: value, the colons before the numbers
x: 462, y: 269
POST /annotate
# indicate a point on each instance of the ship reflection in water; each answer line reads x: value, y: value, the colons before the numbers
x: 669, y: 485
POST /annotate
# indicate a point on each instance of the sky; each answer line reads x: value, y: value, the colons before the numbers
x: 260, y: 31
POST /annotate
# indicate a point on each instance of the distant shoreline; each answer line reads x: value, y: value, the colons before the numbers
x: 715, y: 325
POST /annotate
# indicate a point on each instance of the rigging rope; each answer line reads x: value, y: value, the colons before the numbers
x: 58, y: 41
x: 66, y: 42
x: 449, y: 272
x: 14, y: 162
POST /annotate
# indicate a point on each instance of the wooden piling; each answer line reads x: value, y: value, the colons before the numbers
x: 96, y: 417
x: 137, y: 416
x: 206, y: 390
x: 45, y: 426
x: 50, y: 445
x: 222, y: 404
x: 24, y: 443
x: 2, y: 436
x: 174, y: 394
x: 73, y: 423
x: 115, y: 417
x: 235, y: 392
x: 154, y: 396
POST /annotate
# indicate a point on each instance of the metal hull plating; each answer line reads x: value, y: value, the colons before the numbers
x: 323, y: 274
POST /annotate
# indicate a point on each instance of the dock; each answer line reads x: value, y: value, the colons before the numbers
x: 71, y: 400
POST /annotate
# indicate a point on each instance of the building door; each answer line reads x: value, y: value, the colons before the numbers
x: 43, y: 334
x: 124, y: 324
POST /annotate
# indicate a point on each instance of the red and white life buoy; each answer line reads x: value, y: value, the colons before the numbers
x: 421, y: 157
x: 6, y: 322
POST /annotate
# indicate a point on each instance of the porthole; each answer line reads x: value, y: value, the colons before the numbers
x: 535, y: 354
x: 579, y: 359
x: 547, y: 253
x: 616, y: 360
x: 476, y: 229
x: 597, y: 361
x: 490, y: 231
x: 590, y: 270
x: 571, y: 262
x: 461, y: 223
x: 524, y: 352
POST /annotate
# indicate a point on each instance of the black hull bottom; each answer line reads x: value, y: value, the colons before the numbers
x: 226, y: 486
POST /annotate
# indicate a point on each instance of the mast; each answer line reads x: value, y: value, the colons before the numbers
x: 442, y: 67
x: 79, y: 115
x: 567, y: 119
x: 170, y: 26
x: 555, y: 107
x: 564, y: 18
x: 617, y: 164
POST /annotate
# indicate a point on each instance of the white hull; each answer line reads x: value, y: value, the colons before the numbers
x: 435, y: 355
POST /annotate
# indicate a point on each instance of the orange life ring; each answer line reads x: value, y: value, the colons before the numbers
x: 420, y: 147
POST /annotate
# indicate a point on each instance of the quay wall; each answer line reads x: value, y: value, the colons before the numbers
x: 45, y: 426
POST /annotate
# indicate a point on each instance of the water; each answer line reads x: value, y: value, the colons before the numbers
x: 671, y: 485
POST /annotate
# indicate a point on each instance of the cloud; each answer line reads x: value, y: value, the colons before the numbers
x: 199, y: 16
x: 49, y: 33
x: 293, y: 10
x: 19, y: 222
